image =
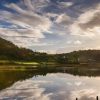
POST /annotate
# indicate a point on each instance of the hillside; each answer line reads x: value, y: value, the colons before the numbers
x: 81, y: 56
x: 9, y: 51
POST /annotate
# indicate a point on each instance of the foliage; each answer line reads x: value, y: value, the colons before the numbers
x: 9, y: 51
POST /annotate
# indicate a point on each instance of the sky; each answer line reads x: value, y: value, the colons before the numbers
x: 52, y: 26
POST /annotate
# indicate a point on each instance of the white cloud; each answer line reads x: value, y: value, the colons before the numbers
x: 32, y: 20
x: 52, y: 15
x: 74, y: 42
x: 28, y: 91
x: 63, y: 19
x: 87, y: 94
x: 32, y: 25
x: 39, y: 5
x: 69, y: 42
x: 65, y: 4
x: 77, y: 42
x: 20, y: 37
x: 87, y: 24
x: 29, y: 5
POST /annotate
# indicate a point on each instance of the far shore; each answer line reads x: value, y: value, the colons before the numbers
x: 20, y: 65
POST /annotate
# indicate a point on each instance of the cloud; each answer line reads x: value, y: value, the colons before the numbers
x: 65, y: 4
x: 60, y: 24
x: 28, y: 4
x: 32, y: 25
x: 28, y: 22
x: 63, y: 19
x: 85, y: 94
x: 87, y: 24
x: 77, y: 42
x: 28, y: 91
x: 39, y: 5
x: 53, y: 86
x: 31, y: 19
x: 20, y: 37
x: 52, y: 15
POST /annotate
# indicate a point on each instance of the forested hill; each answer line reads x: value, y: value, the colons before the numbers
x: 81, y: 56
x: 5, y: 43
x: 9, y: 51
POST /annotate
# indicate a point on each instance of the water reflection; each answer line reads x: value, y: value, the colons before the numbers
x: 50, y: 84
x: 53, y: 86
x: 7, y: 78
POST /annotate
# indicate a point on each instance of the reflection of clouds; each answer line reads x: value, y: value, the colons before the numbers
x: 78, y: 83
x: 85, y: 94
x: 53, y: 87
x: 27, y: 90
x: 74, y: 84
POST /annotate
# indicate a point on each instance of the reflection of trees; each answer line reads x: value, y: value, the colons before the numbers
x: 7, y: 78
x: 81, y: 71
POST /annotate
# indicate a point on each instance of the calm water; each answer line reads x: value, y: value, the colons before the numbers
x: 50, y: 84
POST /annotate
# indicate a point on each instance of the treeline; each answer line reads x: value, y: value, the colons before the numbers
x: 9, y: 51
x: 81, y: 56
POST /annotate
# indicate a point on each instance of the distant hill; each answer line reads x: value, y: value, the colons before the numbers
x: 12, y: 52
x: 6, y: 44
x: 9, y: 51
x: 81, y: 56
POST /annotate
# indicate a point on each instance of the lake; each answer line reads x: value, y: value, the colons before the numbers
x: 50, y: 84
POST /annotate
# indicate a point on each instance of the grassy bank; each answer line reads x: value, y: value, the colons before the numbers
x: 19, y: 65
x: 7, y: 62
x: 25, y: 63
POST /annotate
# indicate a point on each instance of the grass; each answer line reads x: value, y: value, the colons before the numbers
x: 8, y: 67
x: 26, y: 63
x: 22, y: 65
x: 4, y: 62
x: 8, y: 62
